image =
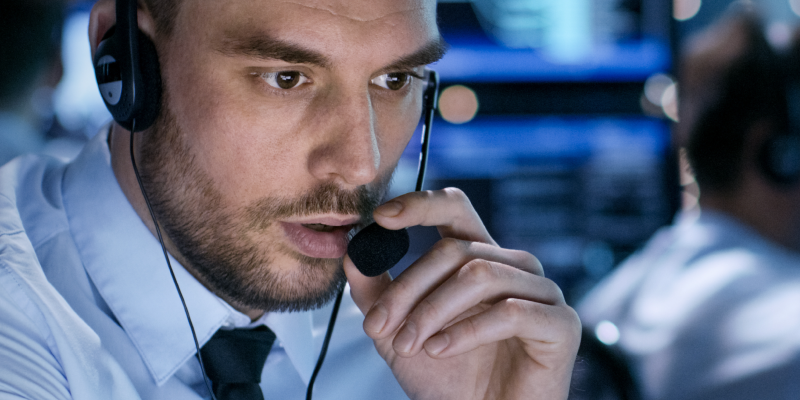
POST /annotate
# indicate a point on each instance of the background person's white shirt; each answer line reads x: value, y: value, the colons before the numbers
x: 88, y: 309
x: 708, y: 309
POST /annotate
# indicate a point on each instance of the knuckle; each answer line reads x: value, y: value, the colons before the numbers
x: 571, y: 326
x: 395, y: 293
x: 425, y: 311
x: 454, y: 192
x: 478, y: 272
x: 514, y: 310
x: 527, y: 260
x: 450, y: 248
x: 457, y: 195
x: 555, y: 291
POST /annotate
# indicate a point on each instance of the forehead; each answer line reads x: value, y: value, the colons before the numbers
x: 380, y: 27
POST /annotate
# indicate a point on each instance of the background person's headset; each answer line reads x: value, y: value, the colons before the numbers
x: 129, y: 79
x: 779, y: 157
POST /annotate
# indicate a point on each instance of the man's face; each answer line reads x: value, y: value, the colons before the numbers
x: 281, y: 126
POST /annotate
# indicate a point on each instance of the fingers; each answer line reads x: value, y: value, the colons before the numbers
x: 449, y: 210
x: 363, y: 289
x: 545, y: 327
x: 478, y: 282
x: 431, y: 271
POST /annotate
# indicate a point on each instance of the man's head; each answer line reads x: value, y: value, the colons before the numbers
x: 30, y: 51
x: 735, y: 114
x: 281, y: 124
x: 733, y: 98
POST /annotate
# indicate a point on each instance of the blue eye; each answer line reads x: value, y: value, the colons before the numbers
x: 392, y: 80
x: 284, y: 79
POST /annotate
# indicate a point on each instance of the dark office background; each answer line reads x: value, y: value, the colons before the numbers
x: 568, y: 154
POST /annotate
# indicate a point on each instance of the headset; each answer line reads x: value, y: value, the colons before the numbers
x: 779, y: 158
x: 127, y: 71
x: 128, y: 76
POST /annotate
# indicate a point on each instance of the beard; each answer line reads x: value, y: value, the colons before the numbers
x: 225, y: 247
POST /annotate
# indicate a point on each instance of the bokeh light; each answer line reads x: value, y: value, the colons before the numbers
x: 795, y: 5
x: 655, y: 86
x: 458, y: 104
x: 607, y: 332
x: 669, y: 102
x: 686, y: 9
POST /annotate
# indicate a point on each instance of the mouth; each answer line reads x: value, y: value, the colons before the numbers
x: 323, y: 227
x: 320, y: 237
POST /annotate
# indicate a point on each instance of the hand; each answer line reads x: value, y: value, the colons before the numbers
x: 468, y: 320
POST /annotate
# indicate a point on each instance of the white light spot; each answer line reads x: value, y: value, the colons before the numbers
x: 779, y: 34
x: 669, y: 102
x: 686, y: 9
x: 655, y: 86
x: 607, y: 332
x: 795, y: 4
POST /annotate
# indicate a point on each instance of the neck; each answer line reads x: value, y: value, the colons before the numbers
x: 119, y: 145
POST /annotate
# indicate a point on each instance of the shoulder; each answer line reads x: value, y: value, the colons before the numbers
x: 31, y: 366
x: 48, y: 351
x: 31, y: 190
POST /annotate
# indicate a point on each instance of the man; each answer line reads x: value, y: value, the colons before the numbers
x: 280, y: 126
x: 709, y: 308
x: 30, y: 67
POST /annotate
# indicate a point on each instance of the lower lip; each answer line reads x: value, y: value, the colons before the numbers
x: 317, y: 244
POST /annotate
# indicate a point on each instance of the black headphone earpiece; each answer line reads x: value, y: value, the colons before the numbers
x: 779, y: 157
x: 127, y: 71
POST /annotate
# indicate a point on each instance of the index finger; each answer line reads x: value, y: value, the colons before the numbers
x: 448, y: 209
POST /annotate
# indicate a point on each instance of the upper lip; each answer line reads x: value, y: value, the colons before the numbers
x: 330, y: 220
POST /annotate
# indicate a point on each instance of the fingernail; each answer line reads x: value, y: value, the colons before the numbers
x: 436, y: 344
x: 390, y: 209
x: 405, y: 338
x: 376, y: 318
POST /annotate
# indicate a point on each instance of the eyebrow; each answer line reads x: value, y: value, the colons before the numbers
x: 431, y: 52
x: 267, y: 47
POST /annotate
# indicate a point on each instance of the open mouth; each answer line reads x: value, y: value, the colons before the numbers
x: 325, y: 228
x: 318, y: 239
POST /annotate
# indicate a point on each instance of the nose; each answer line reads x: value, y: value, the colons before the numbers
x: 348, y: 154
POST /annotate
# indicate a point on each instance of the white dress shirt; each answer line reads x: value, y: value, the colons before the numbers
x: 88, y: 309
x: 708, y: 309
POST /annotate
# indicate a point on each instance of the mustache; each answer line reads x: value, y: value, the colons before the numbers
x: 326, y: 198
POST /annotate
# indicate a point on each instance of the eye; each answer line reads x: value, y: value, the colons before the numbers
x: 284, y: 79
x: 392, y: 80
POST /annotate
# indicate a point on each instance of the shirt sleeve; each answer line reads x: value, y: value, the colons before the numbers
x: 29, y: 369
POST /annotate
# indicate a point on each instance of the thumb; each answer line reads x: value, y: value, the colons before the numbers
x: 364, y: 290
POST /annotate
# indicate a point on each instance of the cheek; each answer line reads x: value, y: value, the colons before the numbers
x: 395, y: 129
x: 241, y: 145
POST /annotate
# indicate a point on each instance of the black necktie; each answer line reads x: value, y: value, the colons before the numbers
x: 234, y: 360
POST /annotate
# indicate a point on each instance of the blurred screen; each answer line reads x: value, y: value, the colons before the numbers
x: 555, y: 120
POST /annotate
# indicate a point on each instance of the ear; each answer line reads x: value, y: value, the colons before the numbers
x: 101, y: 19
x: 104, y: 16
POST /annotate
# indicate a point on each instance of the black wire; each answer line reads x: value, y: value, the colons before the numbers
x: 423, y: 153
x: 325, y: 343
x: 166, y: 257
x: 430, y: 108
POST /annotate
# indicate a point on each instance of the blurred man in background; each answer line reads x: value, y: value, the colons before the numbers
x: 30, y: 68
x: 710, y: 307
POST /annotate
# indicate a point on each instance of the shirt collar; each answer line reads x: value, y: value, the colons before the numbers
x: 126, y: 264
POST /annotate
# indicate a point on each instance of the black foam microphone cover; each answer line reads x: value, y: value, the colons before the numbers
x: 375, y: 249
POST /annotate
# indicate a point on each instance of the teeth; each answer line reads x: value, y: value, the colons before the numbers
x: 320, y: 227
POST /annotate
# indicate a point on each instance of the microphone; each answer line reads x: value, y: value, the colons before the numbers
x: 375, y: 249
